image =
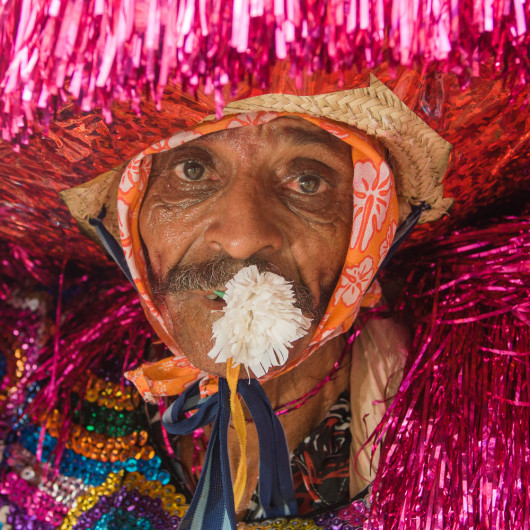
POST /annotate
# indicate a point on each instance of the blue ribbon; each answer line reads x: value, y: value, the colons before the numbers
x: 401, y: 235
x: 110, y: 244
x: 212, y: 505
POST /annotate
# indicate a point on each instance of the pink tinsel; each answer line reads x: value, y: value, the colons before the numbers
x: 98, y: 322
x: 99, y: 51
x: 456, y: 437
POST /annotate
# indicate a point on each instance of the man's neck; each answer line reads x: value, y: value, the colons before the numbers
x: 298, y: 382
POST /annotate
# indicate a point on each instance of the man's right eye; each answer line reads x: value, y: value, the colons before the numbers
x: 189, y: 170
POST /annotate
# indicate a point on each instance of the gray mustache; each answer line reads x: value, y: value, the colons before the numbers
x: 216, y: 272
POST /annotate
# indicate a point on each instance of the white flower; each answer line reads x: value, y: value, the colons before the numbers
x: 260, y: 321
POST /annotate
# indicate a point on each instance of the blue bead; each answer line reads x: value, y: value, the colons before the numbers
x: 131, y: 464
x: 151, y: 474
x: 164, y: 477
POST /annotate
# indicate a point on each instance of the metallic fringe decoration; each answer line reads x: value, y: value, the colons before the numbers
x: 98, y: 51
x: 455, y: 441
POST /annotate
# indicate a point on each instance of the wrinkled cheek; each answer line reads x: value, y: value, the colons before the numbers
x: 327, y: 288
x: 190, y: 326
x: 165, y: 312
x: 320, y: 272
x: 173, y: 315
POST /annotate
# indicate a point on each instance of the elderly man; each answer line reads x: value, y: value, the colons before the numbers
x: 297, y: 186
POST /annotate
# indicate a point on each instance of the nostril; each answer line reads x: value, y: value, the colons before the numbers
x: 241, y: 237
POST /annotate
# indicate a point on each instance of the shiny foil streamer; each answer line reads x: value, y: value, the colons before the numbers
x: 116, y: 50
x: 456, y: 437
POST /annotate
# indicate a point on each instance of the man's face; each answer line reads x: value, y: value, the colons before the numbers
x: 278, y: 195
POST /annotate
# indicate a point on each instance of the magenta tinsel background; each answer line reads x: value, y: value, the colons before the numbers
x: 457, y: 435
x: 455, y: 439
x: 101, y: 51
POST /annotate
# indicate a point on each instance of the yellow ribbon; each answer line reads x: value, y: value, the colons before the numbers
x: 238, y: 420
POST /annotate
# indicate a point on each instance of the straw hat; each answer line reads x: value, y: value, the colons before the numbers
x: 418, y: 155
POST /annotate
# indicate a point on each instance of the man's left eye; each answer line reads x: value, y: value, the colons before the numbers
x: 310, y: 184
x: 190, y: 170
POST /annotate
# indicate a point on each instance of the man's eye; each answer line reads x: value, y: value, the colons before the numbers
x: 309, y: 184
x: 190, y: 170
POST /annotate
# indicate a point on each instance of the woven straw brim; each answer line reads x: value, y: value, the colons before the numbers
x: 418, y: 155
x: 87, y: 201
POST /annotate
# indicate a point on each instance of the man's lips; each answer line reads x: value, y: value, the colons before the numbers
x: 212, y: 295
x: 208, y: 298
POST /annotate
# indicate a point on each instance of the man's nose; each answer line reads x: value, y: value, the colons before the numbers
x: 242, y: 222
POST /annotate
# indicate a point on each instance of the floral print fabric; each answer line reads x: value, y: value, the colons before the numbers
x: 321, y: 463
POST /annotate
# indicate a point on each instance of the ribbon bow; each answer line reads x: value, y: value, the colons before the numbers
x: 212, y: 505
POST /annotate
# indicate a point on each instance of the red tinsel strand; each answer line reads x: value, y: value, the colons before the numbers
x: 56, y: 337
x: 456, y: 436
x: 99, y: 52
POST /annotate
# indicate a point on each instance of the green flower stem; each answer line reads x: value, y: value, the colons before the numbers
x: 220, y: 294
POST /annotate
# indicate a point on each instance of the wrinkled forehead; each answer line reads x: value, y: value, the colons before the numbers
x: 284, y: 131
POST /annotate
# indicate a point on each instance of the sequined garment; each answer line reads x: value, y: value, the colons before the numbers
x: 110, y: 475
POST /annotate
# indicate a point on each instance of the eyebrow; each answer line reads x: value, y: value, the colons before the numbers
x: 296, y: 135
x: 303, y: 136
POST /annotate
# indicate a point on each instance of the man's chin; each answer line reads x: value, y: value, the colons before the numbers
x: 218, y: 369
x: 196, y: 346
x: 207, y: 364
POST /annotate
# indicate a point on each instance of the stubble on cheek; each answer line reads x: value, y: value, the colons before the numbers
x: 191, y: 327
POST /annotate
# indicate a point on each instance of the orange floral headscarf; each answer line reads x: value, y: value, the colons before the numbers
x: 375, y: 215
